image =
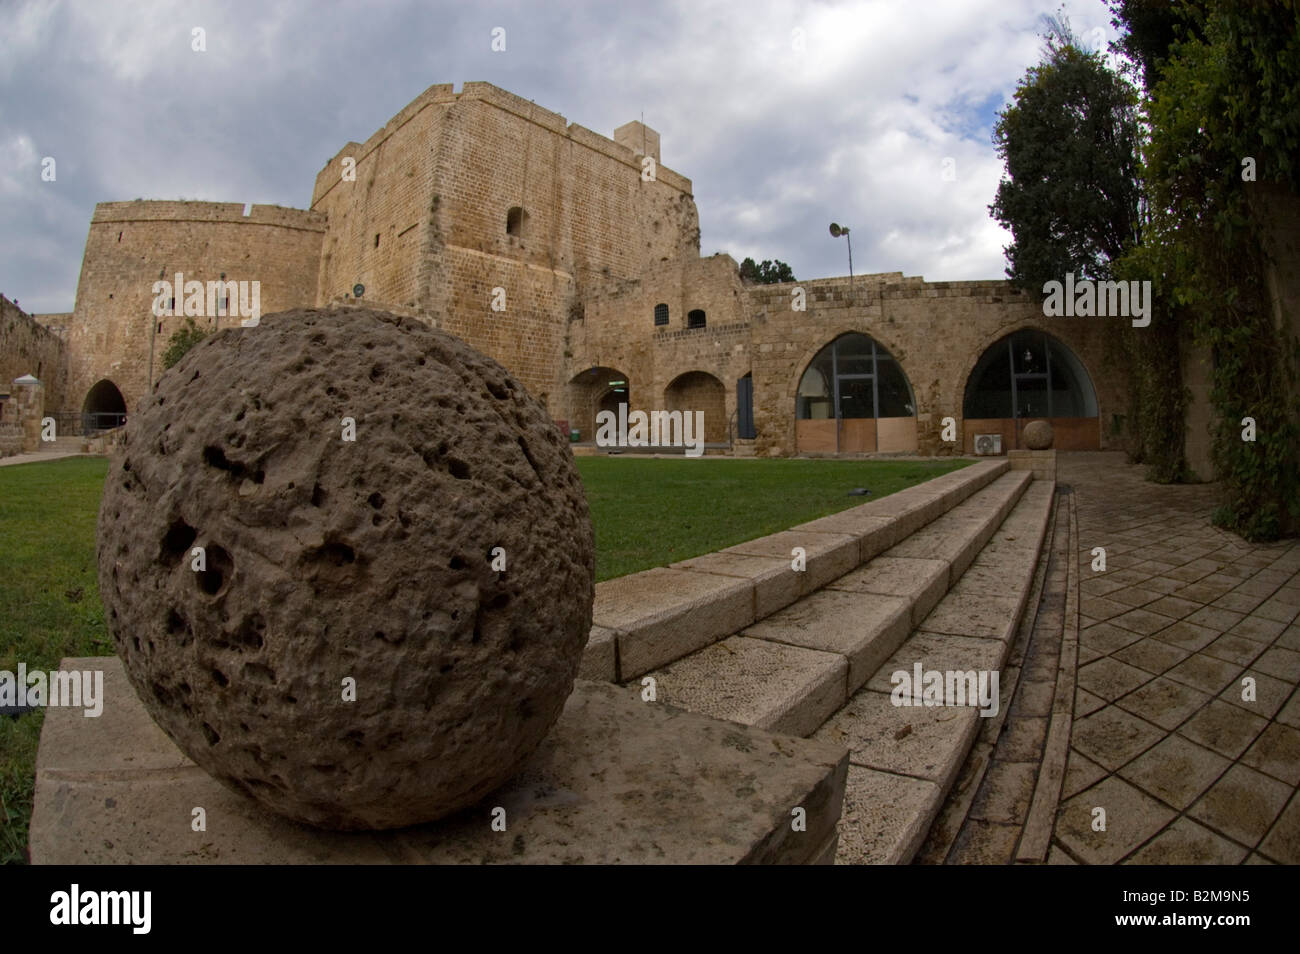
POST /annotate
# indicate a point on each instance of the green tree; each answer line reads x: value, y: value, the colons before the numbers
x: 1073, y: 201
x: 767, y: 272
x: 1149, y: 30
x: 185, y: 338
x: 1071, y: 193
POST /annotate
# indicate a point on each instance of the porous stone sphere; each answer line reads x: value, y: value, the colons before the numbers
x: 1038, y: 435
x: 347, y: 562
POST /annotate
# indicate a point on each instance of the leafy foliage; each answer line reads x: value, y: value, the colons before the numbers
x: 1154, y: 356
x: 1228, y: 89
x: 185, y: 338
x: 1150, y: 29
x: 767, y: 272
x: 1070, y: 143
x: 1087, y: 192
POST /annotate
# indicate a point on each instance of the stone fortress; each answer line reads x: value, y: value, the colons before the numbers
x: 574, y: 260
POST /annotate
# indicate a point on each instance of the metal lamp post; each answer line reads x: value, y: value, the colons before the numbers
x: 836, y: 231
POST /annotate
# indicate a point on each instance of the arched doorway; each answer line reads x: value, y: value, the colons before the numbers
x: 1030, y: 376
x: 597, y: 389
x: 700, y: 391
x: 104, y: 408
x: 854, y: 398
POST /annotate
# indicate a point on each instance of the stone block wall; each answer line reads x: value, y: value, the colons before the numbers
x: 936, y: 330
x: 27, y: 347
x: 27, y: 395
x: 617, y: 330
x: 462, y: 194
x: 438, y: 186
x: 133, y: 244
x: 11, y: 433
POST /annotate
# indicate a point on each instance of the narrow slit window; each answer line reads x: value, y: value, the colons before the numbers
x: 516, y: 219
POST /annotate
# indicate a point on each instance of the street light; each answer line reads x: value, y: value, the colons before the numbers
x: 836, y: 231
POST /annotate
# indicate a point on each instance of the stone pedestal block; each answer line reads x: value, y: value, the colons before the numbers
x: 617, y: 780
x: 29, y: 398
x: 1041, y: 462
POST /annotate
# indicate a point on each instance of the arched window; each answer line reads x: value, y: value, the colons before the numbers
x: 866, y: 377
x: 695, y: 318
x: 661, y: 314
x: 1029, y: 374
x: 852, y: 398
x: 516, y: 219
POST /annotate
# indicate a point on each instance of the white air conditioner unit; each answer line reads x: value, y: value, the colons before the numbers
x: 987, y: 445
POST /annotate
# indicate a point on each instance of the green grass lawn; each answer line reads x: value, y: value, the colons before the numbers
x: 649, y: 513
x: 49, y: 604
x: 646, y: 513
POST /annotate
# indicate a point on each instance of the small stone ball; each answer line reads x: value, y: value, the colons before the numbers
x: 1038, y: 435
x: 348, y: 564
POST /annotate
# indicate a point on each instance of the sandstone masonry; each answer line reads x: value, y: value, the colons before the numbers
x: 571, y: 258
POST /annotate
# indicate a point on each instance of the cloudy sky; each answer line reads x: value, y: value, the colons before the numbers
x: 785, y: 116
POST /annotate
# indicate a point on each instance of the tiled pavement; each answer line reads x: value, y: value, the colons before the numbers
x: 1188, y: 763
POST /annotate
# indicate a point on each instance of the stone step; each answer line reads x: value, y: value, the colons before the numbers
x: 647, y: 620
x: 794, y: 669
x: 903, y: 759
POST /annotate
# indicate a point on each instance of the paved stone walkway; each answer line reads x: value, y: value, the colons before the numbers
x: 37, y: 456
x: 1189, y: 765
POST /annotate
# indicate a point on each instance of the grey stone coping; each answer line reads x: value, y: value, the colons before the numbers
x: 660, y: 615
x: 617, y: 780
x: 778, y: 673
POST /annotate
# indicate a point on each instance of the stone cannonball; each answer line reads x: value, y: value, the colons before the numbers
x: 348, y: 564
x: 1038, y: 435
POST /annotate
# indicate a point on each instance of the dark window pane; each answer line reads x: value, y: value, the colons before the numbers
x: 1031, y: 398
x: 895, y: 400
x: 1030, y: 353
x: 855, y: 399
x: 988, y: 393
x: 1071, y: 395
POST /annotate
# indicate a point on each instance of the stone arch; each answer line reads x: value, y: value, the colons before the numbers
x: 700, y: 391
x: 596, y: 389
x: 103, y: 408
x: 853, y: 396
x: 811, y: 351
x: 1029, y: 374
